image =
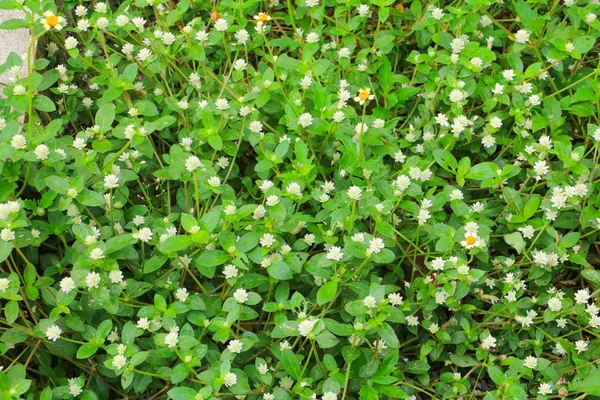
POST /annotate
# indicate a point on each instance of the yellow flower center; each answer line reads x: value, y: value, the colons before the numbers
x: 363, y: 94
x: 470, y: 240
x: 52, y: 20
x: 263, y: 17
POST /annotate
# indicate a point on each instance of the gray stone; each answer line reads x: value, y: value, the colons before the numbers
x: 17, y: 41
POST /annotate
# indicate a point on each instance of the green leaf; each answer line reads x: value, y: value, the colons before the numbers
x: 326, y: 292
x: 43, y: 103
x: 105, y: 116
x: 57, y: 184
x: 182, y: 393
x: 591, y: 275
x: 13, y: 23
x: 291, y: 364
x: 532, y: 206
x: 590, y: 385
x: 417, y: 367
x: 389, y: 336
x: 5, y: 250
x: 86, y: 351
x: 175, y: 243
x: 280, y: 270
x: 11, y: 311
x: 154, y: 263
x: 368, y: 393
x: 446, y: 160
x: 515, y: 240
x: 570, y: 239
x: 486, y: 170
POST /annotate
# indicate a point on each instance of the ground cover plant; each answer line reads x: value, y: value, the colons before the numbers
x: 301, y: 199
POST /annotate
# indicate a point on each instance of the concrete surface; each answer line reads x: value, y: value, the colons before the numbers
x: 17, y: 40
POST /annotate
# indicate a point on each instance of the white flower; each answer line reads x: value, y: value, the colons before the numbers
x: 193, y: 163
x: 67, y: 285
x: 256, y: 126
x: 305, y: 120
x: 222, y: 104
x: 354, y: 192
x: 92, y: 280
x: 230, y: 271
x: 182, y: 294
x: 119, y: 361
x: 18, y: 142
x: 488, y: 342
x: 53, y: 333
x: 74, y: 388
x: 235, y: 346
x: 375, y: 246
x: 267, y: 240
x: 395, y: 299
x: 221, y: 25
x: 242, y: 36
x: 581, y: 346
x: 97, y: 254
x: 172, y: 339
x: 545, y: 388
x: 312, y: 37
x: 335, y: 253
x: 527, y: 231
x: 590, y: 18
x: 71, y: 43
x: 263, y: 369
x: 522, y: 36
x: 305, y: 327
x: 102, y: 23
x: 363, y: 10
x: 229, y: 379
x: 115, y: 276
x: 241, y: 296
x: 496, y: 122
x: 530, y: 362
x: 457, y: 95
x: 144, y: 235
x: 370, y: 302
x: 7, y: 235
x: 111, y: 181
x: 42, y: 152
x: 508, y: 74
x: 437, y: 13
x: 582, y: 296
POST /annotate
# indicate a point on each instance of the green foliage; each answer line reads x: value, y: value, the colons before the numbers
x: 301, y: 200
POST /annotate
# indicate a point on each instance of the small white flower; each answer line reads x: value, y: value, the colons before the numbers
x: 522, y: 36
x: 67, y: 285
x: 111, y: 181
x: 354, y: 193
x: 305, y: 120
x: 53, y: 333
x: 370, y: 302
x: 193, y: 163
x: 221, y: 25
x: 229, y: 379
x: 241, y: 296
x: 172, y: 339
x: 119, y: 361
x: 335, y: 253
x: 530, y: 362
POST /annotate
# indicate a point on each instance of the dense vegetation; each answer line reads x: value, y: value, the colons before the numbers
x: 307, y: 199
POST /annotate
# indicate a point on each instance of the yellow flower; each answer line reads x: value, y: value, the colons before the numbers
x: 262, y: 17
x: 363, y: 96
x: 51, y: 20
